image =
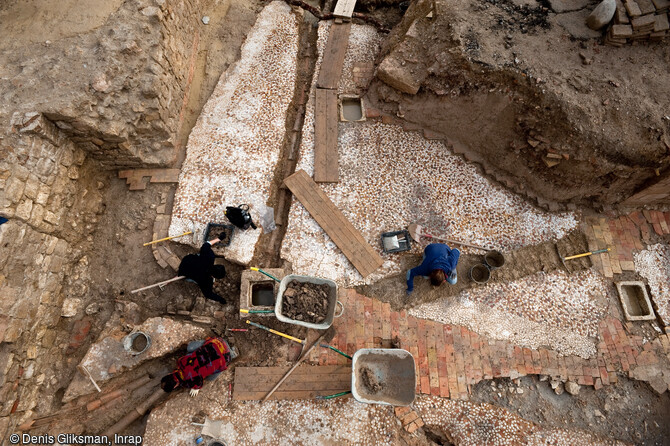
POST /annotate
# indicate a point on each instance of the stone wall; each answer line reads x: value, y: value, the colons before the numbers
x: 117, y: 91
x: 51, y: 194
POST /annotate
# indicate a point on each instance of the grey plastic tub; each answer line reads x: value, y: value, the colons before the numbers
x: 332, y: 301
x: 393, y: 369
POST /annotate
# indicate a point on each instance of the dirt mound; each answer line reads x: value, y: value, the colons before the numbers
x: 307, y: 302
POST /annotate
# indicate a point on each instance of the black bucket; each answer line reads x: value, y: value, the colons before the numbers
x: 494, y: 259
x: 480, y: 273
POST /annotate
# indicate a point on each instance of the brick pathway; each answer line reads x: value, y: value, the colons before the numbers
x: 451, y: 358
x: 623, y: 235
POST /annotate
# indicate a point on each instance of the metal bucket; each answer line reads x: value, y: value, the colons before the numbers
x: 332, y: 301
x: 480, y: 273
x: 129, y: 341
x: 494, y: 259
x: 383, y: 376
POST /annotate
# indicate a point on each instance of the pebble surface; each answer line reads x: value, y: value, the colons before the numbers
x: 472, y: 424
x: 543, y: 309
x: 390, y: 178
x: 235, y: 144
x: 654, y: 265
x: 301, y: 422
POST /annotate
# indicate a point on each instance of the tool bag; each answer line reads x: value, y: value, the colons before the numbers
x: 239, y: 216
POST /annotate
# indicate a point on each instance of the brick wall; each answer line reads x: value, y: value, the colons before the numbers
x: 650, y: 195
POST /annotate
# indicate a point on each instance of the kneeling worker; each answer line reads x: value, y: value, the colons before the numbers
x: 200, y: 268
x: 439, y: 264
x: 206, y: 359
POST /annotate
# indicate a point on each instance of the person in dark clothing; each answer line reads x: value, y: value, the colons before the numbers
x: 439, y: 263
x: 200, y: 268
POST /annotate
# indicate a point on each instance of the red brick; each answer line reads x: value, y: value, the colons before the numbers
x: 425, y: 384
x: 401, y: 410
x: 597, y: 384
x: 411, y: 427
x: 604, y: 376
x: 406, y: 419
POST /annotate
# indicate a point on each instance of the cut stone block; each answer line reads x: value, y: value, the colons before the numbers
x: 254, y: 288
x: 635, y: 301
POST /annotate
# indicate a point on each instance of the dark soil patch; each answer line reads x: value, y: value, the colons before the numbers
x: 140, y: 343
x: 305, y: 302
x: 370, y: 381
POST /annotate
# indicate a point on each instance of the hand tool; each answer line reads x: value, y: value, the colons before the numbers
x: 292, y: 338
x: 159, y: 284
x: 167, y: 238
x: 242, y: 310
x: 416, y: 232
x: 263, y: 272
x: 586, y: 254
x: 335, y: 395
x: 330, y: 332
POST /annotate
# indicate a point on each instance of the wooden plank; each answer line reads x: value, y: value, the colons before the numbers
x: 348, y: 231
x: 280, y: 395
x: 332, y: 155
x: 306, y: 382
x: 320, y: 134
x: 350, y: 237
x: 350, y: 241
x: 344, y: 8
x: 347, y: 234
x: 326, y: 157
x: 333, y: 56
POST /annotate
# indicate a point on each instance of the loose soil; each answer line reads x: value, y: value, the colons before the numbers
x: 139, y: 343
x: 370, y: 381
x: 307, y: 302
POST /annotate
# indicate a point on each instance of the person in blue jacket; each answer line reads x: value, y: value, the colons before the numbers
x: 439, y: 264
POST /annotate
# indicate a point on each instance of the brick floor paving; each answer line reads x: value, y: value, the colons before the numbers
x: 450, y: 358
x: 623, y: 235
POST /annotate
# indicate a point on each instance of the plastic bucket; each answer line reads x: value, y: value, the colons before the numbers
x: 480, y: 273
x: 494, y: 259
x: 136, y: 343
x: 332, y: 301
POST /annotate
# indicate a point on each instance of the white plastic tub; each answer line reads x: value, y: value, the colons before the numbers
x: 332, y: 301
x: 393, y: 368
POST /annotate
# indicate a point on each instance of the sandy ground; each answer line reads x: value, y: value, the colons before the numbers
x: 43, y: 20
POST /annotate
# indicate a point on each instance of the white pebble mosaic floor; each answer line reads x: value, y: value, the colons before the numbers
x: 235, y: 144
x: 470, y: 424
x: 390, y: 178
x: 654, y: 265
x: 333, y: 422
x: 554, y: 310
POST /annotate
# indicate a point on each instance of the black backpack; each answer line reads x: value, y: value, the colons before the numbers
x: 239, y: 216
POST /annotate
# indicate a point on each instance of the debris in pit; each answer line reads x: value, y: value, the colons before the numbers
x: 370, y: 380
x: 307, y: 302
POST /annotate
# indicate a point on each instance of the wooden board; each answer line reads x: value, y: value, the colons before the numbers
x: 326, y: 158
x: 139, y: 178
x: 306, y: 382
x: 333, y: 56
x: 344, y: 8
x: 364, y: 258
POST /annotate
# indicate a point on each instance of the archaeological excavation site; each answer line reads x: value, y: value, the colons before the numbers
x: 335, y: 222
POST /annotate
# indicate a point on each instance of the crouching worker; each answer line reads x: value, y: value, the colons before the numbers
x: 205, y: 360
x: 439, y: 264
x: 200, y: 269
